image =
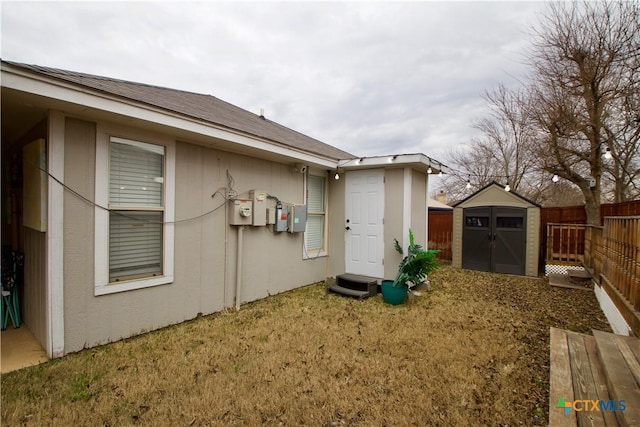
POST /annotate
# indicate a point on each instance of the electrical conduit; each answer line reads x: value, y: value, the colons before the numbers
x: 239, y: 267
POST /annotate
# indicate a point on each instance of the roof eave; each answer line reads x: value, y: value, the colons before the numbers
x: 418, y: 161
x: 19, y: 79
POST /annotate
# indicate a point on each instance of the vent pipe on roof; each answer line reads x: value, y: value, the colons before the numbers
x: 262, y: 113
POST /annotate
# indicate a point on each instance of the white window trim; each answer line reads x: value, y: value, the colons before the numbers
x: 314, y: 253
x: 102, y: 285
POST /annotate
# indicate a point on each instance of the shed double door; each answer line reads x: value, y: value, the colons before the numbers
x: 494, y: 239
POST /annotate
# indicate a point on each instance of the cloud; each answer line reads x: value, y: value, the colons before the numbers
x: 370, y: 78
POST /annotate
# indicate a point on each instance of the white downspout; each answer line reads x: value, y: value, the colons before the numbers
x: 239, y: 267
x: 426, y: 231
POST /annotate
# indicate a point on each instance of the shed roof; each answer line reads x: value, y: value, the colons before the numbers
x: 199, y: 106
x: 491, y: 186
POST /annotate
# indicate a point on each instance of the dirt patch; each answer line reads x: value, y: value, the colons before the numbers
x: 472, y: 351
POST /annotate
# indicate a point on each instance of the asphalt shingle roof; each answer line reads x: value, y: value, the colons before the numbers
x: 199, y: 106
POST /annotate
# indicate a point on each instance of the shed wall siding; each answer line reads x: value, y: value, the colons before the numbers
x: 456, y: 239
x: 533, y: 241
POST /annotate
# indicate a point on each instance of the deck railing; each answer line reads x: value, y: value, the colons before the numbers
x: 565, y: 243
x: 612, y: 252
x: 621, y: 266
x: 594, y: 249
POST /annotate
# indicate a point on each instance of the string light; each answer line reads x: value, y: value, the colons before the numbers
x: 336, y: 176
x: 607, y: 153
x: 429, y: 171
x: 469, y: 183
x: 555, y: 178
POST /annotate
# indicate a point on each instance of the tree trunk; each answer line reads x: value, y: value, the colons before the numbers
x: 592, y: 207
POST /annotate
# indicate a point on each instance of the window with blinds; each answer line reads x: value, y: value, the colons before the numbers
x: 314, y: 234
x: 136, y: 209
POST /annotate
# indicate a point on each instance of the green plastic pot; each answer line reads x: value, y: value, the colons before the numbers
x: 393, y: 295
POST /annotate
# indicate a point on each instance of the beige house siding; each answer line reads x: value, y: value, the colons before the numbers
x: 418, y: 207
x: 205, y: 248
x: 34, y: 299
x: 394, y: 202
x: 336, y: 217
x: 79, y: 167
x: 395, y: 206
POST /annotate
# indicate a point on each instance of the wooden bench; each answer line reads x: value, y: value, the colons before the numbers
x: 603, y: 367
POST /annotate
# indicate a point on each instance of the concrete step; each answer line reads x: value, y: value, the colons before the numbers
x: 348, y: 292
x: 358, y: 283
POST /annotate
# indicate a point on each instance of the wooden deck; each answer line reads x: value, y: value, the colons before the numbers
x: 565, y: 281
x: 594, y: 380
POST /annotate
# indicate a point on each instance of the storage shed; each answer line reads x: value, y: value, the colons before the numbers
x: 498, y: 231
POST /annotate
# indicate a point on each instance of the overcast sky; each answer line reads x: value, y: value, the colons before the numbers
x: 370, y: 78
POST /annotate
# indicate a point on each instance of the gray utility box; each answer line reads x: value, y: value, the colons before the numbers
x: 259, y: 216
x: 280, y: 219
x: 297, y: 218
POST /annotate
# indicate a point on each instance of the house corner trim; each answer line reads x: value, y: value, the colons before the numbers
x: 55, y: 236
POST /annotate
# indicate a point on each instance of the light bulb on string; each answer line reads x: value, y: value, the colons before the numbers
x: 507, y: 188
x: 607, y: 153
x: 469, y: 183
x: 336, y: 176
x: 555, y: 178
x: 429, y: 171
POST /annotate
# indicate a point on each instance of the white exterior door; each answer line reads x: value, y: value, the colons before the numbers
x: 364, y: 207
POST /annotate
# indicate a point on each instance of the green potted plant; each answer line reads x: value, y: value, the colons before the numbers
x: 413, y: 269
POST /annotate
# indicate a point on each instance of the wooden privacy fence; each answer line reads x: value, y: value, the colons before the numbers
x: 440, y: 233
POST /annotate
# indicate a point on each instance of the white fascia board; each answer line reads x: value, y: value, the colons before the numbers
x: 415, y: 160
x: 70, y: 93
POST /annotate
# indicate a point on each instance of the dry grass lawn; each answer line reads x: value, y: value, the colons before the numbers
x: 473, y: 351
